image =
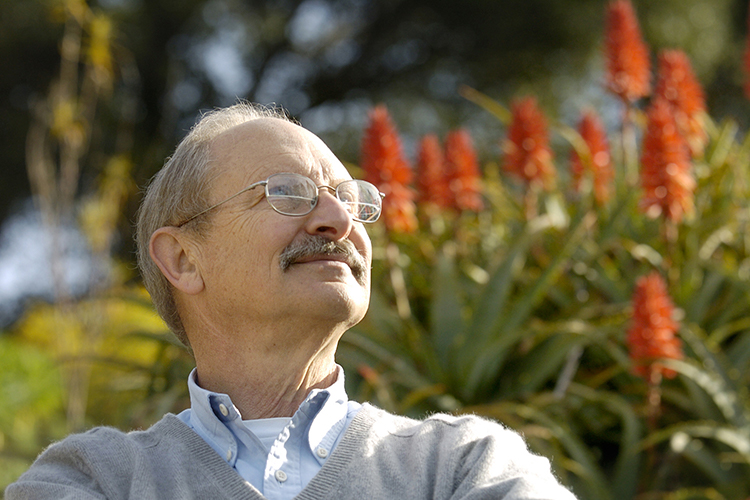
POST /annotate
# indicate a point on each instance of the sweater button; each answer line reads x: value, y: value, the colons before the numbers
x: 280, y: 476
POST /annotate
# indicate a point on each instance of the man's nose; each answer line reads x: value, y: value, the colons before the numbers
x: 330, y: 217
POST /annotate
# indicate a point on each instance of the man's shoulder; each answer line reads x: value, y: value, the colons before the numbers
x: 440, y: 429
x: 169, y: 425
x: 435, y: 422
x: 446, y: 433
x: 103, y: 447
x: 167, y: 460
x: 463, y: 450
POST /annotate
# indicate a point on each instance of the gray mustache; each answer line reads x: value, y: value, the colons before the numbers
x: 320, y: 245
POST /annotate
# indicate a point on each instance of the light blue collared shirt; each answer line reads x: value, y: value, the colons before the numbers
x: 278, y: 456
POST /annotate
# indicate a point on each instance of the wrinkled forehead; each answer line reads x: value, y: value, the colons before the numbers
x: 256, y: 149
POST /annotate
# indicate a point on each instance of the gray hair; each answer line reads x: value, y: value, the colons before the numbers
x: 178, y: 191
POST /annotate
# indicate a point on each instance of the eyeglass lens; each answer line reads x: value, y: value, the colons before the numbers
x: 293, y: 194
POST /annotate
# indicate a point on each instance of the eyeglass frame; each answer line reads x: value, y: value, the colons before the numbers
x: 264, y: 183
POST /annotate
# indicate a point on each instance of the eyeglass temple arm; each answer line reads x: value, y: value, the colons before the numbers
x: 251, y: 186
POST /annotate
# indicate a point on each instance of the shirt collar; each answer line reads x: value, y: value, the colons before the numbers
x: 206, y: 417
x: 331, y: 416
x: 327, y: 408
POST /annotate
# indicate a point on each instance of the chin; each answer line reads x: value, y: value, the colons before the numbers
x: 345, y: 305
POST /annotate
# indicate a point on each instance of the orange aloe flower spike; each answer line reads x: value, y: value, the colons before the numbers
x: 628, y: 65
x: 666, y: 176
x: 433, y: 183
x: 527, y: 154
x: 677, y: 84
x: 599, y: 163
x: 385, y: 166
x: 463, y: 169
x: 652, y: 333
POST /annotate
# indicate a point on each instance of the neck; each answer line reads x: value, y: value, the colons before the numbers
x: 265, y: 379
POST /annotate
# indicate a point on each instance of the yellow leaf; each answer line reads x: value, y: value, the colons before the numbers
x: 100, y: 214
x: 99, y: 50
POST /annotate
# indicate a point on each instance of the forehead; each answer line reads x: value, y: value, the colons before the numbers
x: 256, y: 149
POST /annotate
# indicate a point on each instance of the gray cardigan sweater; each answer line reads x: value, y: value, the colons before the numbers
x: 381, y: 456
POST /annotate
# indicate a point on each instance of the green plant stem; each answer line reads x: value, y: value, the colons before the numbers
x: 670, y: 233
x: 568, y: 371
x: 653, y: 410
x: 653, y: 396
x: 531, y: 200
x: 398, y: 282
x: 629, y: 146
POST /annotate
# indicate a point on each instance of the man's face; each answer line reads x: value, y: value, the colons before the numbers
x: 248, y: 279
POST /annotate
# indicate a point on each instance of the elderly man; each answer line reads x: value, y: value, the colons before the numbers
x: 253, y: 246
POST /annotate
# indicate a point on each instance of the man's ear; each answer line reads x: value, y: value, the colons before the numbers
x: 175, y: 259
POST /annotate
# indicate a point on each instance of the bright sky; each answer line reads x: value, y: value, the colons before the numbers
x: 25, y: 269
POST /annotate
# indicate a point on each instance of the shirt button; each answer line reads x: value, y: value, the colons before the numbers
x: 280, y: 476
x: 321, y: 452
x: 223, y: 409
x: 229, y: 454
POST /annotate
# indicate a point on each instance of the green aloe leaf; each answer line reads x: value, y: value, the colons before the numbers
x: 446, y: 323
x: 487, y: 103
x: 723, y: 395
x: 625, y: 480
x: 703, y: 298
x: 493, y: 301
x: 739, y: 353
x: 529, y: 373
x: 735, y: 439
x: 509, y: 329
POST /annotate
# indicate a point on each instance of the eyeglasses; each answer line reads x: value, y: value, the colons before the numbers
x: 296, y: 195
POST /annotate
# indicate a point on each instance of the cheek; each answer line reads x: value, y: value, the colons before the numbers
x: 266, y: 241
x: 361, y: 240
x: 240, y: 250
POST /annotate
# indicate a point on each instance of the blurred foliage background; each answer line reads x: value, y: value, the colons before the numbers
x: 518, y: 311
